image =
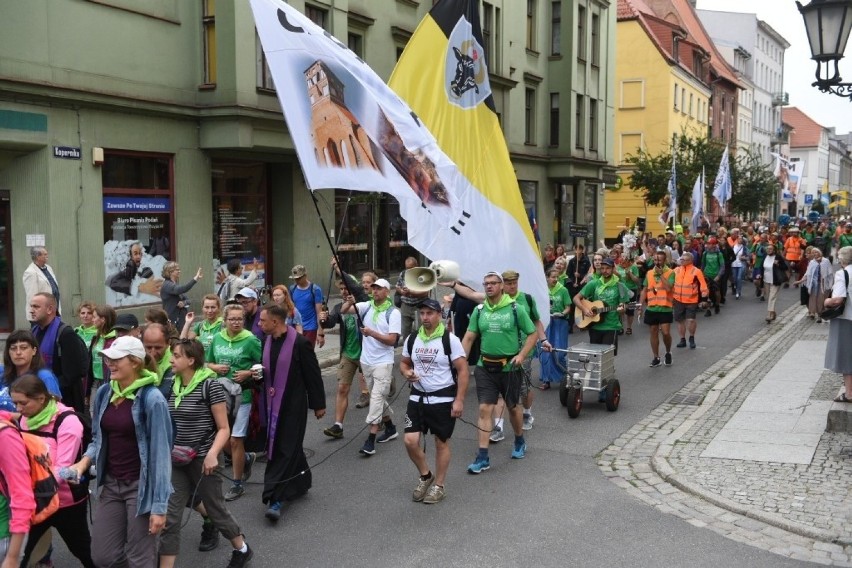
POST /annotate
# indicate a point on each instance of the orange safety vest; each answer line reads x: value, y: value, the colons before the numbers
x: 793, y: 248
x: 658, y: 297
x: 686, y: 290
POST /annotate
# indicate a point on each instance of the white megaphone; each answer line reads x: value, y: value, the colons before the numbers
x: 424, y: 279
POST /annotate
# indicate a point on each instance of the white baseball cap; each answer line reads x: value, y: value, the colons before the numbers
x: 382, y: 283
x: 124, y: 346
x: 246, y: 293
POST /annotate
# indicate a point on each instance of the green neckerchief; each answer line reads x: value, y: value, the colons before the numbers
x: 145, y: 379
x: 604, y: 284
x: 556, y: 288
x: 209, y: 327
x: 199, y: 377
x: 383, y: 307
x: 239, y: 337
x: 164, y: 365
x: 43, y: 417
x: 439, y: 331
x: 505, y: 300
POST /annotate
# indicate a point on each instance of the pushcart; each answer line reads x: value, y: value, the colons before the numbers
x: 589, y: 367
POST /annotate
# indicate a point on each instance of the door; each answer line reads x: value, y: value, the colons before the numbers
x: 7, y: 310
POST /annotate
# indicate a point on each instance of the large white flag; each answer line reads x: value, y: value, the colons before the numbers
x: 697, y: 203
x: 722, y: 184
x: 352, y: 131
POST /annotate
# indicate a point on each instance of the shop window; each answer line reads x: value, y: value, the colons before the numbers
x: 138, y: 194
x: 240, y: 219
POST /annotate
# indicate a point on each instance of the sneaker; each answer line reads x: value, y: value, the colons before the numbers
x: 369, y: 448
x: 235, y: 492
x: 389, y: 434
x: 363, y: 401
x: 692, y: 343
x: 655, y: 362
x: 334, y: 431
x: 251, y: 457
x: 668, y: 359
x: 241, y: 559
x: 422, y: 488
x: 273, y: 513
x: 497, y: 435
x: 708, y: 313
x: 520, y: 451
x: 479, y: 465
x: 436, y: 494
x: 528, y: 421
x: 682, y: 342
x: 209, y: 537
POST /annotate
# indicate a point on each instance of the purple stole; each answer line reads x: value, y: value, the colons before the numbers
x: 274, y: 387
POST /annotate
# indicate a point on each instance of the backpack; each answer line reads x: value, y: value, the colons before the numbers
x: 387, y: 319
x: 79, y: 491
x: 445, y: 341
x: 233, y: 396
x: 44, y: 485
x: 224, y: 291
x: 313, y: 288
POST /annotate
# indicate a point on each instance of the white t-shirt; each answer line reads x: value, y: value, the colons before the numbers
x: 373, y: 351
x: 840, y: 289
x: 432, y: 367
x: 768, y: 263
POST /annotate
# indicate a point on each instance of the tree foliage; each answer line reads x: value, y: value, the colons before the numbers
x: 753, y: 186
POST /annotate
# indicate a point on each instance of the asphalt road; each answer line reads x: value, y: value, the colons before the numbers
x: 553, y: 508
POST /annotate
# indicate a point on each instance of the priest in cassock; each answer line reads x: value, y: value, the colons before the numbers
x: 292, y: 384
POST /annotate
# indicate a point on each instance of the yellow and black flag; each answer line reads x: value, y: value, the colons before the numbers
x: 443, y: 76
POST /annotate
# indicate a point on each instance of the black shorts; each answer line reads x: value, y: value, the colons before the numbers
x: 597, y: 337
x: 491, y: 385
x: 434, y: 418
x: 656, y: 318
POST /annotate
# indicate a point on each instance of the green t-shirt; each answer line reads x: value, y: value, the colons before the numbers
x: 204, y: 331
x: 240, y: 353
x: 97, y: 360
x: 671, y: 280
x: 611, y: 294
x: 559, y: 299
x: 352, y: 345
x: 497, y: 328
x: 844, y: 240
x: 712, y: 263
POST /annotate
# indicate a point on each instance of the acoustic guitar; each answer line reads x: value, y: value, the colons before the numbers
x: 597, y: 308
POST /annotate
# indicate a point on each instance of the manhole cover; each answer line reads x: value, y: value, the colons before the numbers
x: 690, y: 398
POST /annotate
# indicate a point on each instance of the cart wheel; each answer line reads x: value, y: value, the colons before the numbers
x: 563, y: 392
x: 613, y: 395
x: 575, y: 401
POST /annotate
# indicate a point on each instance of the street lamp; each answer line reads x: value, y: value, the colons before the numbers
x: 828, y: 23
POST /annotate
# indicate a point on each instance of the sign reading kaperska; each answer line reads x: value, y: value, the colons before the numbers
x: 67, y: 152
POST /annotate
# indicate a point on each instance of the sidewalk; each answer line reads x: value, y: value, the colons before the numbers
x: 742, y: 450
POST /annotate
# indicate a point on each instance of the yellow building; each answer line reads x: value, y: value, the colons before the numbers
x: 663, y: 72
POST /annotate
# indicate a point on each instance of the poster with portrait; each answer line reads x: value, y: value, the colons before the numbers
x: 137, y: 244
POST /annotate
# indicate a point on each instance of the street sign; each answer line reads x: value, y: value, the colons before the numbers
x: 809, y: 199
x: 578, y: 231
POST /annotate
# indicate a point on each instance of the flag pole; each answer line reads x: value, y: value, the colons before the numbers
x: 333, y: 250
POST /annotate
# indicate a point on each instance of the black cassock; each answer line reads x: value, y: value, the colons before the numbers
x: 304, y: 391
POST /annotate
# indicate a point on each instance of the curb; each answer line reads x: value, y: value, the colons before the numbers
x: 733, y: 365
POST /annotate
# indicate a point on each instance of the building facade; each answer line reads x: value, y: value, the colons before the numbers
x: 764, y: 69
x: 809, y: 145
x: 159, y: 123
x: 668, y: 78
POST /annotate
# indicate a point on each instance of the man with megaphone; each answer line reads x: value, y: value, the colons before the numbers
x: 409, y: 298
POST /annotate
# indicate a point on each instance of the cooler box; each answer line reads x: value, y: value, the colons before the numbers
x: 594, y: 363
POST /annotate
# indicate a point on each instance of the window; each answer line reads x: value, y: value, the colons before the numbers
x: 683, y: 100
x: 596, y: 39
x: 355, y: 42
x: 581, y: 32
x: 675, y: 96
x: 529, y: 195
x: 690, y: 105
x: 556, y: 28
x: 317, y: 16
x: 488, y: 31
x: 240, y: 214
x: 264, y: 76
x: 632, y: 94
x: 208, y: 23
x: 138, y: 194
x: 531, y: 9
x: 529, y: 116
x: 593, y: 124
x: 579, y: 138
x: 554, y: 119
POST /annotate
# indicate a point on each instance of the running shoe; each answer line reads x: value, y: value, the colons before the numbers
x: 479, y: 465
x: 520, y: 451
x: 497, y: 435
x: 422, y: 488
x: 655, y: 362
x: 435, y: 495
x: 668, y: 359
